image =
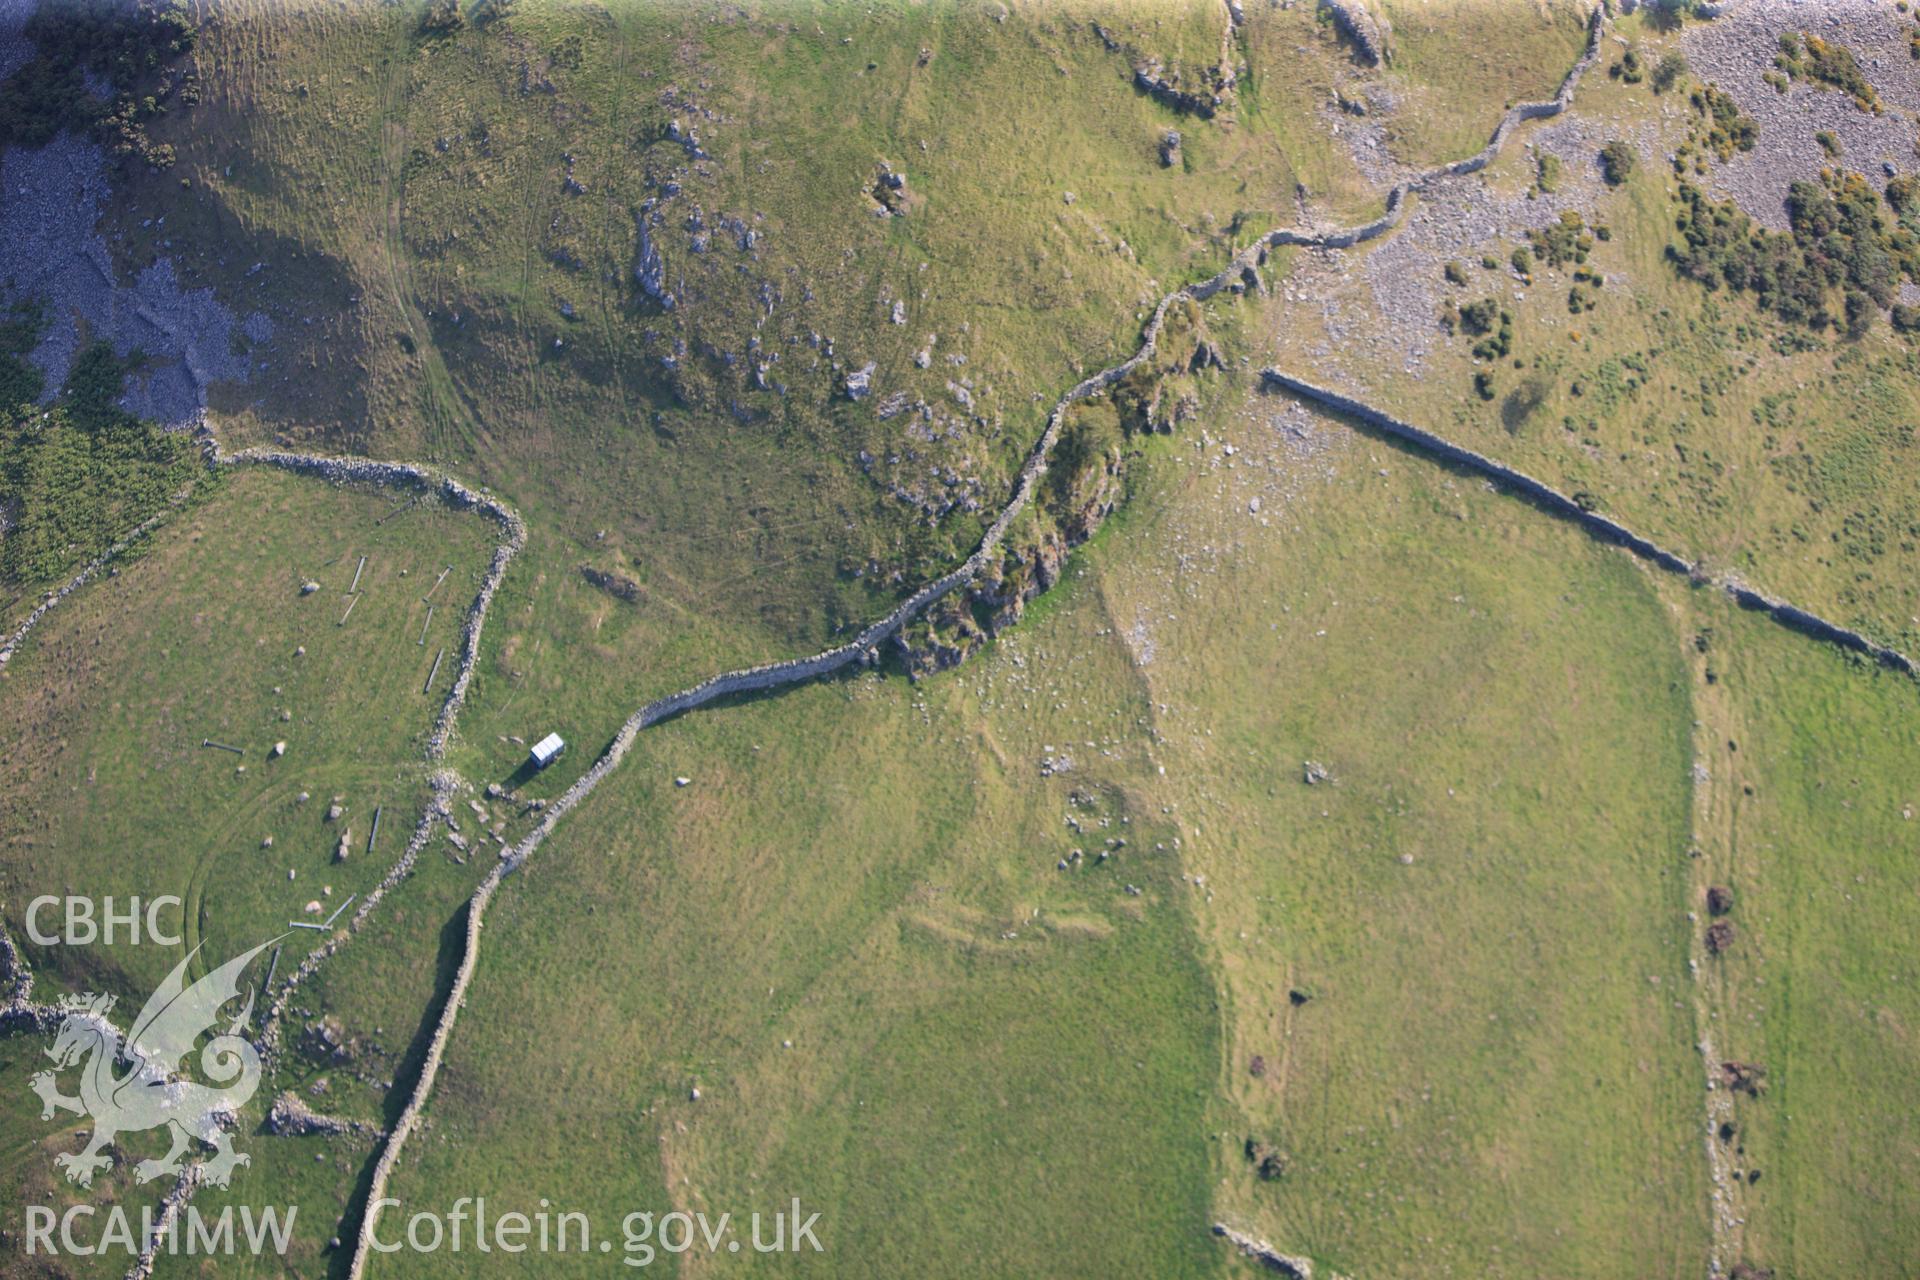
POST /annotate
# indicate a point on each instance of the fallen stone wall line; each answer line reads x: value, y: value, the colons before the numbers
x: 19, y: 1012
x: 1294, y: 1268
x: 444, y: 784
x: 1601, y: 527
x: 166, y: 1220
x: 80, y: 579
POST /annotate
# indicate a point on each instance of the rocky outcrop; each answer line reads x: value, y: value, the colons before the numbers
x: 951, y: 635
x: 1214, y: 88
x: 859, y: 383
x: 615, y: 585
x: 889, y: 190
x: 1294, y: 1268
x: 686, y: 138
x: 1151, y: 75
x: 649, y: 268
x: 19, y: 1012
x: 291, y: 1117
x: 1021, y: 577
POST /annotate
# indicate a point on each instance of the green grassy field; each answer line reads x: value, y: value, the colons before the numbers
x: 1807, y: 817
x: 959, y: 1012
x: 109, y: 791
x: 1481, y: 907
x: 1325, y: 856
x: 988, y: 1044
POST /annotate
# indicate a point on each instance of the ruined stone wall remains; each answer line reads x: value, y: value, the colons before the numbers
x: 444, y: 783
x: 79, y: 580
x: 1366, y: 31
x: 19, y: 1012
x: 166, y: 1220
x: 1293, y: 1268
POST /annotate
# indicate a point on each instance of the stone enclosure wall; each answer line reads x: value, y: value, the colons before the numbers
x: 1602, y: 527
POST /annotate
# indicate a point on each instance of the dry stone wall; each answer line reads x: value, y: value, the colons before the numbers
x: 863, y: 649
x: 1602, y: 527
x: 1243, y: 266
x: 407, y: 475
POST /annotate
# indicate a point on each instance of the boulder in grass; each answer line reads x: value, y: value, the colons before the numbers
x: 860, y: 381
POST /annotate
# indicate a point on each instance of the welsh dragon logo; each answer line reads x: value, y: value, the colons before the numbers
x: 151, y: 1091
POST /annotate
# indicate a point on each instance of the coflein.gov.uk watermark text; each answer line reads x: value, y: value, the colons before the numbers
x: 467, y: 1226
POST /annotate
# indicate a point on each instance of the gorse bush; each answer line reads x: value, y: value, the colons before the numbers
x: 1840, y: 239
x: 1808, y: 57
x: 76, y: 477
x: 1562, y: 242
x: 134, y: 48
x: 1669, y: 72
x: 1728, y: 129
x: 1616, y: 162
